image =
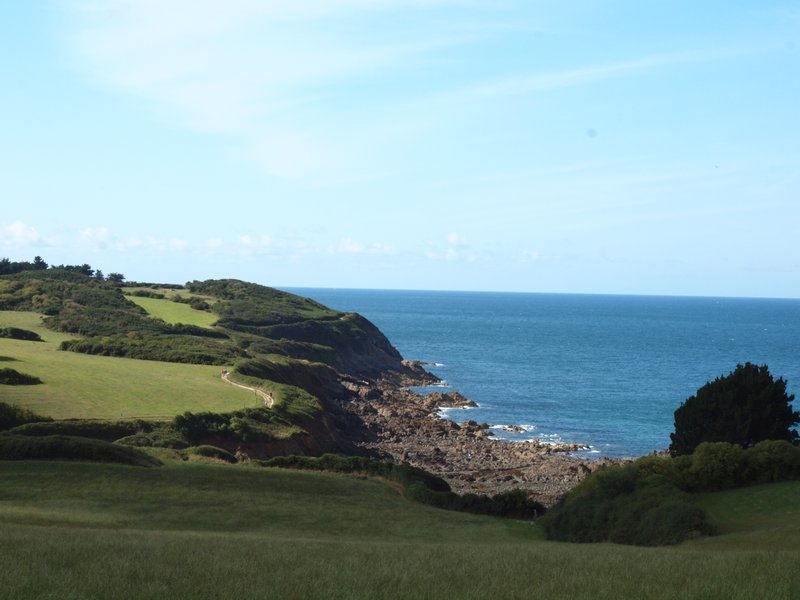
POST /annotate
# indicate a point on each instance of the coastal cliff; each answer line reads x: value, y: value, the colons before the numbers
x: 334, y: 381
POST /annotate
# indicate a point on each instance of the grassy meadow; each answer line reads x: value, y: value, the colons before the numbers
x: 100, y: 387
x: 762, y: 516
x: 174, y: 312
x: 76, y: 530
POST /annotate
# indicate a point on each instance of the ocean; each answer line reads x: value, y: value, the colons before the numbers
x: 600, y: 370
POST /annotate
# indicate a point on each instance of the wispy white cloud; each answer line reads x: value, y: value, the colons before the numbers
x: 214, y: 244
x: 350, y: 246
x: 530, y: 256
x: 455, y: 239
x: 242, y: 68
x: 275, y: 78
x: 19, y: 233
x: 254, y: 244
x: 545, y: 81
x: 454, y: 248
x: 95, y: 236
x: 102, y: 238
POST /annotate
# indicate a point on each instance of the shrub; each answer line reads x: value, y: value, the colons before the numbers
x: 14, y: 377
x: 13, y: 416
x: 88, y: 428
x: 60, y: 447
x: 146, y: 294
x: 15, y: 333
x: 418, y: 485
x: 210, y: 452
x: 190, y: 344
x: 670, y: 522
x: 518, y: 505
x: 715, y: 466
x: 626, y: 504
x: 771, y: 461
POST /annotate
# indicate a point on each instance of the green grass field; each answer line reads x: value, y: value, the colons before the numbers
x: 174, y: 312
x: 72, y: 530
x: 101, y: 387
x: 767, y: 516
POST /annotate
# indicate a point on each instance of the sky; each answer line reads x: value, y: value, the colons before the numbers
x: 614, y: 146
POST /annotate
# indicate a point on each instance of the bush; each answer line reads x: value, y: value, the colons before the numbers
x: 190, y: 344
x: 60, y: 447
x: 210, y: 452
x: 646, y: 502
x: 101, y: 430
x: 771, y: 461
x: 146, y: 294
x: 13, y: 416
x: 418, y: 485
x: 670, y: 522
x: 195, y: 302
x: 518, y: 505
x: 15, y: 333
x: 161, y: 436
x: 14, y: 377
x: 626, y: 504
x: 715, y: 466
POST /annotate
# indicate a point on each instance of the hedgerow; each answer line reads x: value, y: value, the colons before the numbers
x: 14, y: 377
x: 418, y: 485
x: 648, y: 502
x: 60, y: 447
x: 13, y: 416
x: 15, y: 333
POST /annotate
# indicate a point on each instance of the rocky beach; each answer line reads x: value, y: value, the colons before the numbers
x: 403, y: 425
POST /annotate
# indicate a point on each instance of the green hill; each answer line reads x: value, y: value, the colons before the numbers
x: 73, y: 530
x: 114, y: 352
x: 141, y: 366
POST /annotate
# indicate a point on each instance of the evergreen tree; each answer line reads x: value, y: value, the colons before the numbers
x: 744, y: 407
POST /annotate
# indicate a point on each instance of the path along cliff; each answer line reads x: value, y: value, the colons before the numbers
x: 265, y: 396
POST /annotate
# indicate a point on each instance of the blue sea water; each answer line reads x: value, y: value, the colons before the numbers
x: 606, y: 371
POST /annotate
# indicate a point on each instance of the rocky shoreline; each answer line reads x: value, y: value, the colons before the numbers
x: 404, y: 426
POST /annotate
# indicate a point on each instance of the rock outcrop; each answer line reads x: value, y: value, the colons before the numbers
x: 399, y: 424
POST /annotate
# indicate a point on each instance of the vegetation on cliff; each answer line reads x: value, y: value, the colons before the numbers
x: 292, y: 350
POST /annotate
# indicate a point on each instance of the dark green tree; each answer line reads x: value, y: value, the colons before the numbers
x: 116, y: 277
x: 744, y: 407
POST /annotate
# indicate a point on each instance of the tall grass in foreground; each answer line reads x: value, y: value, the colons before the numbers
x: 198, y: 531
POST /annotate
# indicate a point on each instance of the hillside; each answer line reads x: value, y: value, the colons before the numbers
x: 140, y: 364
x: 208, y: 531
x: 117, y: 352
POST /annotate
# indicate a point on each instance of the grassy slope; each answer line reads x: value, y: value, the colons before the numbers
x: 765, y: 516
x: 73, y: 530
x: 174, y: 312
x: 84, y: 386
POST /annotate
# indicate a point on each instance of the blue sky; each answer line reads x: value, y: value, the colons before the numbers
x: 597, y: 147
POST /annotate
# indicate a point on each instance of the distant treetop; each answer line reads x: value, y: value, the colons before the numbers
x: 9, y: 267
